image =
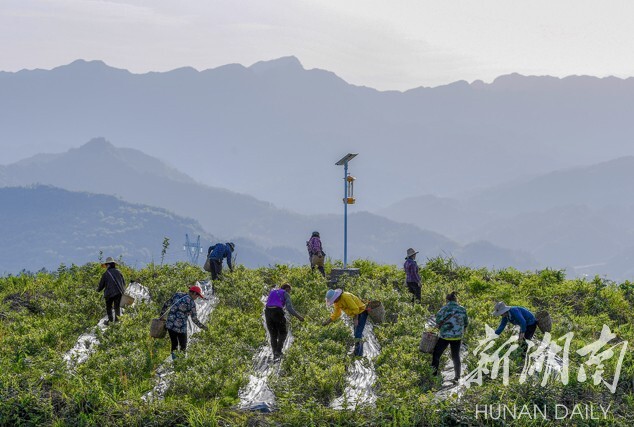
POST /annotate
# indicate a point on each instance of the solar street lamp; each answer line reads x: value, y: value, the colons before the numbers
x: 348, y: 199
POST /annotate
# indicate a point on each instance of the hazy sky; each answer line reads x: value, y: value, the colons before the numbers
x: 397, y: 44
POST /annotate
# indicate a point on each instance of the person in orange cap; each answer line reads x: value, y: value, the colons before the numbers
x: 180, y: 307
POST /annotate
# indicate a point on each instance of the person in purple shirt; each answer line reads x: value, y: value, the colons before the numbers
x: 517, y: 316
x: 277, y: 300
x: 412, y: 277
x: 315, y: 253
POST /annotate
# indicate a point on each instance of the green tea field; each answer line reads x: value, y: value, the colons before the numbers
x: 126, y: 378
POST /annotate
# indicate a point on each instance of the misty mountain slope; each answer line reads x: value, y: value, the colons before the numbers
x: 46, y: 226
x: 96, y: 160
x: 451, y: 217
x: 274, y: 129
x: 482, y: 252
x: 578, y: 218
x: 622, y: 264
x: 561, y: 237
x: 599, y: 185
x: 99, y: 167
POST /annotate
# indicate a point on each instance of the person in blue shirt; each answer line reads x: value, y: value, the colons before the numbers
x: 216, y: 253
x: 519, y: 316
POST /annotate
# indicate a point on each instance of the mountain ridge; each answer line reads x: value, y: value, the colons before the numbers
x: 291, y: 62
x: 48, y: 226
x: 235, y: 127
x: 230, y: 215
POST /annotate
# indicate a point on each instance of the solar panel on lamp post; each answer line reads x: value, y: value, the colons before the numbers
x: 344, y: 162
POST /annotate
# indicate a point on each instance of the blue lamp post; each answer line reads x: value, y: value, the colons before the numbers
x: 348, y: 199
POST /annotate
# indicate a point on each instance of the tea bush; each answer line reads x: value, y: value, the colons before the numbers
x: 43, y: 314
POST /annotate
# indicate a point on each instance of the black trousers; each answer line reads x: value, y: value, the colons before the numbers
x: 116, y: 301
x: 276, y: 324
x: 530, y: 331
x: 216, y: 268
x: 441, y: 346
x: 414, y: 288
x: 178, y: 339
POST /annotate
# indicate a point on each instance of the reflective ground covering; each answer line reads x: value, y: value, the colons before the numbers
x: 204, y: 308
x: 361, y: 376
x: 88, y: 342
x: 257, y: 395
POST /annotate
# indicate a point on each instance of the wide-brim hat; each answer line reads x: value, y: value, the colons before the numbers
x: 109, y: 260
x: 197, y: 290
x: 411, y: 252
x: 500, y: 309
x: 332, y: 295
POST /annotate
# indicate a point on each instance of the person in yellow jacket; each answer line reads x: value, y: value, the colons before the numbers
x: 354, y: 308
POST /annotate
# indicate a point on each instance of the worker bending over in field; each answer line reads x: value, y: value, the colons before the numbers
x: 275, y: 320
x: 216, y: 254
x: 354, y: 308
x: 517, y: 316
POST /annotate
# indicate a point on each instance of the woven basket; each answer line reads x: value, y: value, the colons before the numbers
x: 126, y: 300
x: 544, y: 322
x: 428, y: 342
x: 157, y: 328
x: 376, y: 311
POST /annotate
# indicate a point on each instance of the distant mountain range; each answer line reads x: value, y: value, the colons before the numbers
x: 274, y: 130
x: 581, y: 219
x: 42, y: 227
x: 525, y: 170
x: 99, y: 167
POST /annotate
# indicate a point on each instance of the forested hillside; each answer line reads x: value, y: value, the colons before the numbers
x: 138, y: 178
x: 42, y: 316
x: 43, y: 227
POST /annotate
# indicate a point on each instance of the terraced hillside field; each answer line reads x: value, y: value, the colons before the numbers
x: 127, y: 378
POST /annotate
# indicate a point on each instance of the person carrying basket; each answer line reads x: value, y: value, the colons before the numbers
x: 452, y: 320
x: 112, y: 285
x: 178, y: 308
